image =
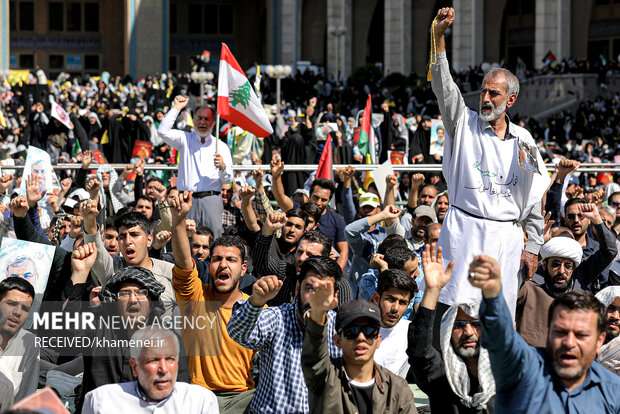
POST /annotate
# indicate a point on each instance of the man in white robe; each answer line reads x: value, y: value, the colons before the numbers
x: 496, y: 179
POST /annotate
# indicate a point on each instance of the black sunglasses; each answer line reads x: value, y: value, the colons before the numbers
x: 352, y: 332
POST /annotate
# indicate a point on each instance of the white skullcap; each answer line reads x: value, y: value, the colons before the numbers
x: 608, y: 295
x: 562, y: 247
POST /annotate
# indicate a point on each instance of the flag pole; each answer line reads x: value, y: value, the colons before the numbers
x: 217, y: 131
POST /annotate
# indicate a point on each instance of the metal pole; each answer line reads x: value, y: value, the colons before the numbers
x: 202, y: 93
x: 278, y: 91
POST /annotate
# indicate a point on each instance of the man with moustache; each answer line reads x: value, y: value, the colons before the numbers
x: 458, y: 379
x: 204, y: 163
x: 562, y: 377
x: 491, y: 190
x: 610, y: 352
x: 216, y: 361
x: 155, y: 363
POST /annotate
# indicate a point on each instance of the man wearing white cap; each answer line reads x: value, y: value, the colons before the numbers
x: 610, y: 352
x: 560, y: 257
x: 365, y: 235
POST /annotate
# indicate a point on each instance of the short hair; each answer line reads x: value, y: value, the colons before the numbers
x: 170, y: 189
x: 315, y: 236
x: 147, y: 198
x: 109, y: 223
x: 325, y: 184
x: 512, y: 82
x: 230, y: 241
x: 610, y: 210
x: 617, y: 193
x: 153, y: 335
x: 397, y: 279
x: 201, y: 107
x: 321, y: 266
x: 157, y: 179
x: 204, y: 231
x: 427, y: 229
x: 396, y: 257
x: 429, y: 185
x: 312, y: 210
x: 16, y: 283
x: 572, y: 201
x: 583, y: 301
x: 299, y: 213
x: 393, y: 240
x: 133, y: 219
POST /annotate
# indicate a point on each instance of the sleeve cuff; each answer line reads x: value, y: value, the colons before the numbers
x: 532, y: 247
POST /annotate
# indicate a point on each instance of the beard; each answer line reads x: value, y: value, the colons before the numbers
x: 496, y: 111
x: 611, y: 334
x: 557, y: 288
x: 467, y: 352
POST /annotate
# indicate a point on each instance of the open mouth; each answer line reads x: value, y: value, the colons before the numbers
x: 223, y: 277
x: 567, y: 358
x: 133, y: 310
x: 130, y: 253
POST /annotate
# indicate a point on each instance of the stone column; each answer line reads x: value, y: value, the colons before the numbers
x: 397, y: 37
x: 335, y: 43
x: 148, y: 38
x: 467, y: 40
x: 553, y: 29
x: 4, y: 35
x: 288, y: 32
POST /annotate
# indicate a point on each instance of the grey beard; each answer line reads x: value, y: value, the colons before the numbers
x: 495, y: 113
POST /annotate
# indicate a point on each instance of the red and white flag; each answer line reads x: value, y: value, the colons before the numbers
x: 60, y: 114
x: 236, y: 100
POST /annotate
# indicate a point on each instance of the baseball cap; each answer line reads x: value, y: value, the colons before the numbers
x: 355, y: 309
x: 302, y: 191
x: 369, y: 199
x: 427, y: 211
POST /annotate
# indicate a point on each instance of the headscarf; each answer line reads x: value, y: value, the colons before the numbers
x: 116, y: 204
x: 455, y: 367
x: 139, y: 275
x: 562, y: 247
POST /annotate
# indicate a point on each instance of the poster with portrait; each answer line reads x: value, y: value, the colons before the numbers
x: 438, y: 137
x: 28, y: 260
x: 39, y: 164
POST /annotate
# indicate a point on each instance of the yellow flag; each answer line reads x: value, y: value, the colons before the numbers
x: 190, y: 121
x: 105, y: 139
x: 2, y: 120
x: 368, y: 176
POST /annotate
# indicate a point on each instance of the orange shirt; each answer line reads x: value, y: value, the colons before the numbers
x: 215, y: 360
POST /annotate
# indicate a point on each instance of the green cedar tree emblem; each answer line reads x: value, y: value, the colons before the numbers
x: 241, y: 95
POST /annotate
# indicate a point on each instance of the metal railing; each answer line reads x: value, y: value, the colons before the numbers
x: 590, y: 167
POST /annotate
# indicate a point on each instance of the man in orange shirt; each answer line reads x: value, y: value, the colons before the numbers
x: 215, y: 360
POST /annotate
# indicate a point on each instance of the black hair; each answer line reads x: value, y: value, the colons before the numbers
x: 109, y: 223
x: 312, y: 210
x: 147, y: 198
x: 427, y: 230
x: 398, y: 279
x: 133, y: 219
x: 316, y: 236
x: 583, y: 301
x: 572, y: 201
x: 204, y: 231
x: 170, y: 189
x: 299, y: 213
x: 393, y: 240
x: 396, y: 257
x: 230, y: 241
x: 322, y: 267
x: 325, y: 184
x: 16, y: 283
x: 617, y: 193
x: 157, y: 179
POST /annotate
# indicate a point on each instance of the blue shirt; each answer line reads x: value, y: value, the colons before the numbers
x: 368, y: 286
x: 278, y: 336
x: 525, y: 380
x: 363, y: 243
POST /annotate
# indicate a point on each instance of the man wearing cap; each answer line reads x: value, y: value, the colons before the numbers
x: 495, y: 174
x: 365, y: 235
x: 354, y: 383
x: 204, y: 164
x: 422, y: 216
x: 610, y: 352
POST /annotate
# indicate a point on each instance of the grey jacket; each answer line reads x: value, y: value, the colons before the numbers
x: 328, y: 384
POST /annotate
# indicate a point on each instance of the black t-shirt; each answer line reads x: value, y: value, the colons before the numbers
x: 363, y: 397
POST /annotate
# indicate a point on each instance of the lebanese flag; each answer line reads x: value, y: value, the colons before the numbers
x: 325, y: 163
x: 60, y: 114
x: 236, y: 100
x: 367, y: 139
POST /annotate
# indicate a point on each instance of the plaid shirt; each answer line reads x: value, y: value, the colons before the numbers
x: 231, y: 216
x: 278, y: 336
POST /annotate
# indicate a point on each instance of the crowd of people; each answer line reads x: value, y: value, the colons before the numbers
x: 322, y: 294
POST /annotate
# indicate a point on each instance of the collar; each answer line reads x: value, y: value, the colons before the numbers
x: 140, y: 394
x: 484, y: 125
x: 208, y: 139
x: 377, y: 374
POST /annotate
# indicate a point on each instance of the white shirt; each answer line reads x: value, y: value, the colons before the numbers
x: 196, y: 169
x: 127, y: 397
x: 392, y: 353
x: 19, y: 362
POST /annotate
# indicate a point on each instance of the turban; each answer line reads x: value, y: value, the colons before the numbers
x: 562, y: 247
x: 608, y: 295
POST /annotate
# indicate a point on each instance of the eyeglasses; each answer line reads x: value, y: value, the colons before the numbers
x: 567, y: 265
x: 574, y: 216
x: 140, y: 294
x: 462, y: 324
x: 615, y: 203
x: 352, y: 332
